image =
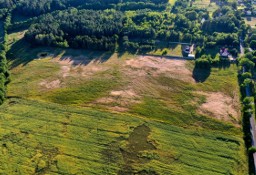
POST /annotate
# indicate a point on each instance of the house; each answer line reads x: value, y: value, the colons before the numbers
x: 203, y: 20
x: 224, y: 52
x: 248, y: 12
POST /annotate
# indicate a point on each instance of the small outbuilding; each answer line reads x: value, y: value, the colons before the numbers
x: 191, y: 56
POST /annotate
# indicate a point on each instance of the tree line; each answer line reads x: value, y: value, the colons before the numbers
x: 38, y: 7
x: 4, y: 72
x: 139, y: 29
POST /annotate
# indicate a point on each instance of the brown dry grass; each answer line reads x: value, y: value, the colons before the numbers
x: 221, y: 107
x: 157, y: 65
x: 50, y: 85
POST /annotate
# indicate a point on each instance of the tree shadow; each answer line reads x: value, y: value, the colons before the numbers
x: 224, y: 64
x: 121, y: 51
x: 200, y: 75
x: 22, y: 52
x: 80, y: 57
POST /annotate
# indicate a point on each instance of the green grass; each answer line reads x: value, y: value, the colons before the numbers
x: 224, y: 80
x: 172, y: 50
x: 48, y: 138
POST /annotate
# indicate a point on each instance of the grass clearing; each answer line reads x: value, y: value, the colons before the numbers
x: 206, y: 4
x: 173, y: 50
x: 250, y: 21
x: 172, y: 2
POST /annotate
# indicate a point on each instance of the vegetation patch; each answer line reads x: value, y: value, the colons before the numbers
x: 136, y: 144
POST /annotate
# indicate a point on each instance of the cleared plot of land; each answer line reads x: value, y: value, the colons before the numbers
x: 202, y: 3
x: 220, y: 106
x: 62, y: 122
x: 47, y: 138
x: 251, y: 21
x: 125, y: 84
x: 210, y: 5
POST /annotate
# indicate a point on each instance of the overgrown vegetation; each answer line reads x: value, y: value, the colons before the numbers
x: 75, y: 137
x: 4, y: 72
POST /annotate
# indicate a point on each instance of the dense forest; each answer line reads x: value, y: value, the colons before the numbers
x: 37, y: 7
x: 139, y: 29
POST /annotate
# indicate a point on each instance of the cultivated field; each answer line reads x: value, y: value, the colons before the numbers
x: 80, y: 112
x: 46, y: 138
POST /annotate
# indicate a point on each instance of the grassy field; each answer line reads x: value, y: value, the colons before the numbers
x: 46, y: 138
x: 82, y: 112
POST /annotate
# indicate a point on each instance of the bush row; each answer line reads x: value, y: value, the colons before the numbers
x: 4, y: 72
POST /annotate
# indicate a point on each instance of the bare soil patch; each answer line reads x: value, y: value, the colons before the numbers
x: 221, y: 107
x: 155, y: 66
x: 121, y: 99
x: 50, y: 84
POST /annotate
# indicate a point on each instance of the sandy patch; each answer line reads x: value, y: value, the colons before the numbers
x: 124, y: 94
x: 221, y: 107
x: 155, y: 66
x: 65, y: 71
x: 122, y: 100
x: 50, y: 84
